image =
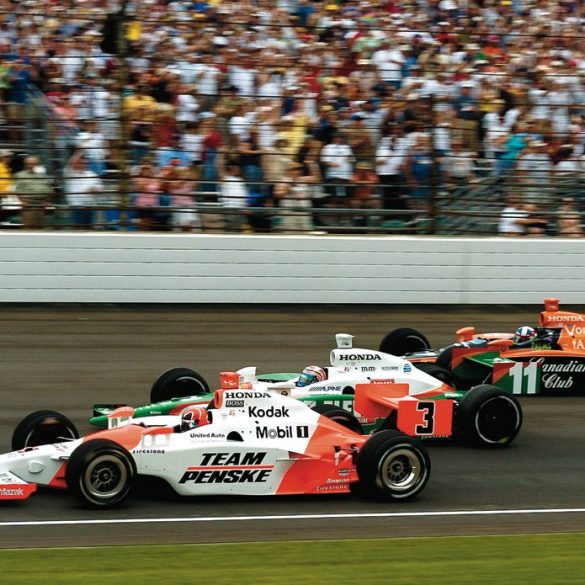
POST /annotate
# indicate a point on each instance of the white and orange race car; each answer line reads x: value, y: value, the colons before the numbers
x: 246, y: 442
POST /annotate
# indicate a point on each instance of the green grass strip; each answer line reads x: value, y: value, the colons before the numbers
x: 551, y: 559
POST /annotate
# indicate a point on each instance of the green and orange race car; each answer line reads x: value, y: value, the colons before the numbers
x: 547, y: 360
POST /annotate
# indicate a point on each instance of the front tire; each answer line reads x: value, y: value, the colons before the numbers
x: 43, y: 427
x: 393, y: 466
x: 487, y: 416
x: 178, y: 383
x: 403, y: 341
x: 341, y: 416
x: 100, y: 473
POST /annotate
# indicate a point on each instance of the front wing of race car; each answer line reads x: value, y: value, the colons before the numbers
x: 14, y: 488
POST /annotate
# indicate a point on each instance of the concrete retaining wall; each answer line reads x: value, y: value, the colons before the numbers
x: 168, y: 268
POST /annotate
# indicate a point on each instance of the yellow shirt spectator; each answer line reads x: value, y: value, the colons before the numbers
x: 134, y: 31
x: 139, y: 104
x: 5, y: 174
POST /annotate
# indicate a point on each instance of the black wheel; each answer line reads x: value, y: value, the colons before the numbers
x: 43, y: 427
x: 341, y: 416
x: 178, y: 383
x: 487, y: 416
x: 404, y: 341
x: 444, y: 358
x: 100, y: 473
x: 438, y: 372
x: 393, y: 466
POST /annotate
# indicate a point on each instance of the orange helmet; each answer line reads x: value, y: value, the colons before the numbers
x: 193, y: 417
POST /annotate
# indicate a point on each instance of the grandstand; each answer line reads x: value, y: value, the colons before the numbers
x: 404, y: 116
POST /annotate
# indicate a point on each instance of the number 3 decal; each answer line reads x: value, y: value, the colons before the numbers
x: 428, y: 415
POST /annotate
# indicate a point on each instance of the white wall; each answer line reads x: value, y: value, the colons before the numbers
x: 160, y: 268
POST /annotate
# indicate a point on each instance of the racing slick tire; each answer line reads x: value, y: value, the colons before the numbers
x: 100, y: 473
x: 442, y: 374
x: 43, y: 427
x: 392, y: 466
x: 444, y: 358
x: 487, y: 416
x: 178, y: 383
x: 341, y: 416
x: 403, y: 341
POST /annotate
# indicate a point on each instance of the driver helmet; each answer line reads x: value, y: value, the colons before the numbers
x: 310, y: 375
x: 193, y: 417
x: 524, y: 334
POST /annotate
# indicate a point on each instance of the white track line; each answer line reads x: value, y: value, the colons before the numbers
x: 295, y: 517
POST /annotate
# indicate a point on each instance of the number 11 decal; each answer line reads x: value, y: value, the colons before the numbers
x: 524, y: 377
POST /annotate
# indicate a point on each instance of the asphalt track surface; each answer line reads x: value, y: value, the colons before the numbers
x: 66, y: 358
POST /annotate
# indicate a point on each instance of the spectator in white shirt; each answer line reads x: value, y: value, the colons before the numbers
x: 390, y: 158
x: 513, y: 219
x: 93, y: 144
x: 233, y: 198
x: 389, y: 63
x: 187, y: 104
x: 81, y: 188
x: 337, y: 158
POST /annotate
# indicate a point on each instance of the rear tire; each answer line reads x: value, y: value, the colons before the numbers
x: 341, y: 416
x: 393, y: 466
x: 100, y: 473
x: 178, y: 383
x: 43, y: 427
x: 403, y: 341
x: 487, y: 416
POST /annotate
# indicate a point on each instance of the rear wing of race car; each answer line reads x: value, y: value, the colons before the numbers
x: 14, y: 488
x: 415, y: 417
x: 552, y: 316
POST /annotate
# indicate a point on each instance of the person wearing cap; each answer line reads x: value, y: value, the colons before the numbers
x: 467, y: 108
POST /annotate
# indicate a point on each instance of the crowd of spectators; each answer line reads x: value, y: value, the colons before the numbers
x: 300, y: 115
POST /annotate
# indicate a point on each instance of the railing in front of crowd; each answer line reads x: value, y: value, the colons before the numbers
x: 464, y: 209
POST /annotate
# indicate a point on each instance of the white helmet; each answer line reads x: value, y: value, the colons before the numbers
x: 310, y: 375
x: 524, y: 333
